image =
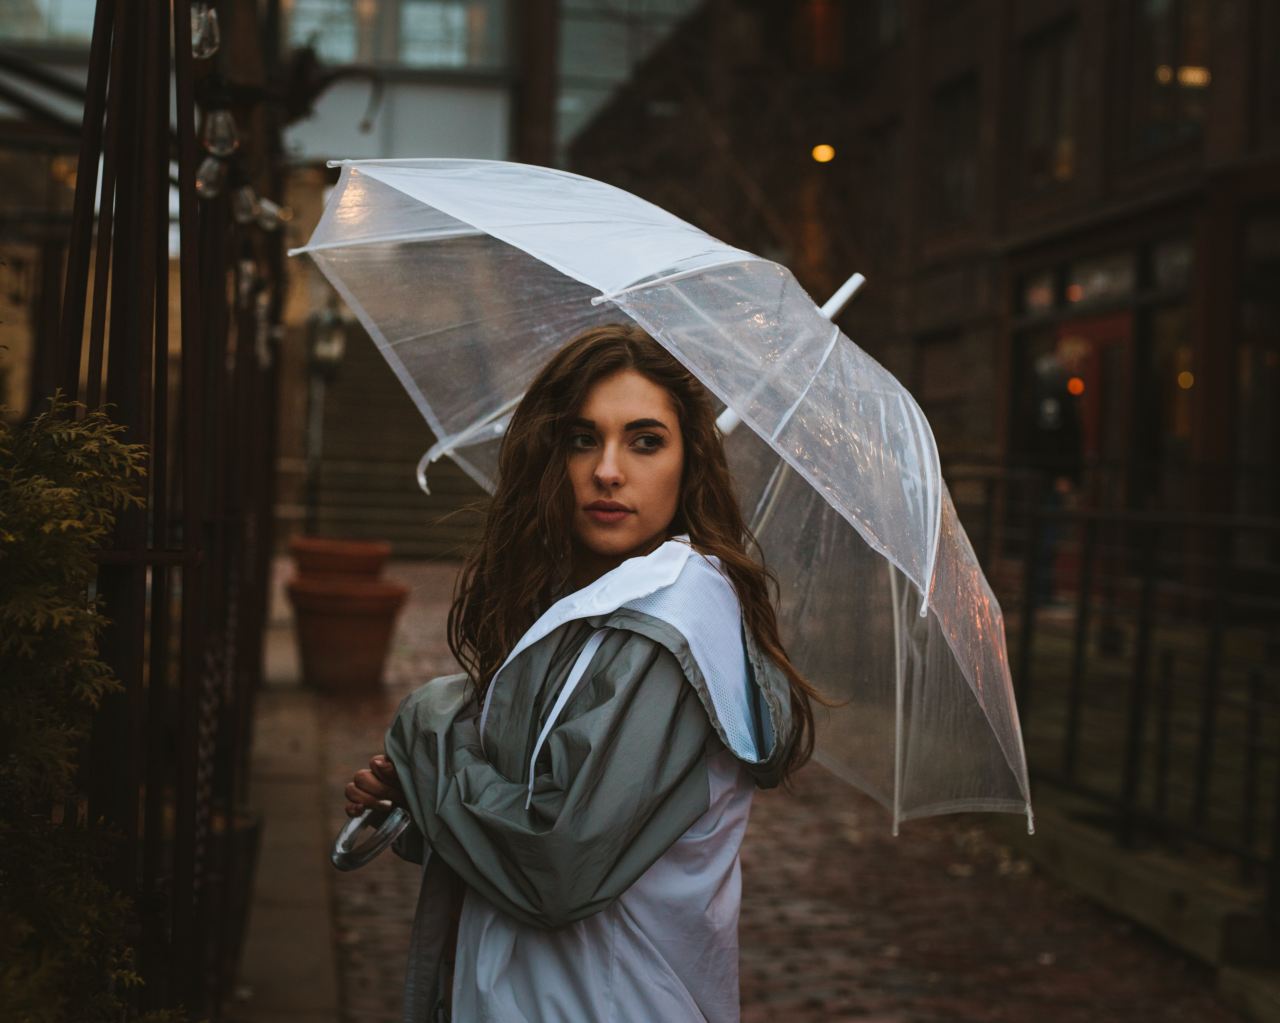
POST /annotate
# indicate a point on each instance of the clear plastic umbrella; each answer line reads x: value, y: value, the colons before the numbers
x: 470, y: 274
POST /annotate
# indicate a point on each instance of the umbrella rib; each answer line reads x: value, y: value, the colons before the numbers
x: 399, y: 236
x: 677, y: 275
x: 786, y: 417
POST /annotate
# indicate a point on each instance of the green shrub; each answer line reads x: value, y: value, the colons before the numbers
x: 64, y: 951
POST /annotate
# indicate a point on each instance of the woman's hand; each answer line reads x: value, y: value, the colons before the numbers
x: 375, y: 785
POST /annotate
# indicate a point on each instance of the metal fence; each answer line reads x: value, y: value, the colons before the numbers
x: 1144, y: 649
x: 184, y: 584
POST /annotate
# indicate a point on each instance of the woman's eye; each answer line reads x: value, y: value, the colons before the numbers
x: 649, y: 442
x: 580, y: 441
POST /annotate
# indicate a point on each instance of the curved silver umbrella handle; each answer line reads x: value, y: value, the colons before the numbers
x: 346, y: 855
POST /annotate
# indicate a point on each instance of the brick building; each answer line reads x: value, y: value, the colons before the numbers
x: 1068, y: 212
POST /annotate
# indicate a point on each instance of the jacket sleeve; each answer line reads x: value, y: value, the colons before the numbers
x: 621, y: 775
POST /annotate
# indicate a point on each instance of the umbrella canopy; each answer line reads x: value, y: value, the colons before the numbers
x: 470, y: 274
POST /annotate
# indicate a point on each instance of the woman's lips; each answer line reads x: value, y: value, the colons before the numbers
x: 607, y: 514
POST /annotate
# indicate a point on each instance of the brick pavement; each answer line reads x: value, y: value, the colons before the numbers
x: 840, y: 921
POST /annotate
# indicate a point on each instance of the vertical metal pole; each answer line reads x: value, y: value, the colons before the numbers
x: 1252, y: 747
x: 1273, y: 870
x: 154, y: 905
x: 988, y: 521
x: 1135, y: 732
x: 1209, y: 683
x: 1030, y: 579
x: 1164, y: 722
x: 1080, y: 650
x: 71, y: 330
x: 117, y: 724
x: 194, y: 514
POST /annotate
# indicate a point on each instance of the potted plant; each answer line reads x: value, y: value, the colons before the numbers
x: 344, y: 615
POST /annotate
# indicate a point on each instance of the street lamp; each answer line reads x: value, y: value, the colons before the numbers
x: 326, y: 343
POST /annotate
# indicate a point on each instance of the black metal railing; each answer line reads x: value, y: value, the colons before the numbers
x: 184, y: 583
x: 1144, y: 649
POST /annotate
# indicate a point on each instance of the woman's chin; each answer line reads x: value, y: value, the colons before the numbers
x: 616, y: 541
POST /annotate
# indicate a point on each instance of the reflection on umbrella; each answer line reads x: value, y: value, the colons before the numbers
x: 469, y: 274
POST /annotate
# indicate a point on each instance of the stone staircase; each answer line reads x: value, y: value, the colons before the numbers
x: 373, y: 438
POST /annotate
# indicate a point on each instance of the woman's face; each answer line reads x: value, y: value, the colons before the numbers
x: 625, y: 460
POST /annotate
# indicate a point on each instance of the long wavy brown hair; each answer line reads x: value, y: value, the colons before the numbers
x: 523, y: 560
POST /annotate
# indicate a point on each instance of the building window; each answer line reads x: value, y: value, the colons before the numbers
x: 1105, y: 374
x: 602, y: 42
x: 880, y: 200
x: 944, y: 388
x: 890, y: 22
x: 1172, y: 73
x: 952, y: 179
x: 819, y: 33
x: 1101, y: 278
x: 464, y: 34
x: 1257, y: 412
x: 1049, y: 107
x: 57, y: 22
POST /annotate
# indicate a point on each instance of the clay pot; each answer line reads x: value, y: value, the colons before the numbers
x: 316, y: 556
x: 344, y: 627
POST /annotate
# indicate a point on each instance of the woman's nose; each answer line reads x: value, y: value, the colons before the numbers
x: 609, y: 470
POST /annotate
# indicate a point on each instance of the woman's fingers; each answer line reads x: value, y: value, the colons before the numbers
x: 384, y: 769
x: 376, y: 785
x: 364, y: 800
x: 366, y: 781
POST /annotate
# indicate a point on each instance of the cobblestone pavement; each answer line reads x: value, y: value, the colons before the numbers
x: 840, y: 921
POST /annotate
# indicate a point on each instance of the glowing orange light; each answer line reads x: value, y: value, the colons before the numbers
x: 824, y: 153
x: 1164, y: 74
x: 1194, y: 77
x: 1075, y: 292
x: 1186, y: 379
x: 1075, y: 385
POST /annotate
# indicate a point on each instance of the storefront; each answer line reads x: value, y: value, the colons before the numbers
x: 1144, y: 365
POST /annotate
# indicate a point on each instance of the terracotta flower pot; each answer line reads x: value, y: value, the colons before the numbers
x: 344, y: 628
x: 324, y: 556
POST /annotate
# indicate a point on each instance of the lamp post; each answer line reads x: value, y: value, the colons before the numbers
x: 326, y: 343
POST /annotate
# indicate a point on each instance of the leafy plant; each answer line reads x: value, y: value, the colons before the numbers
x: 64, y: 952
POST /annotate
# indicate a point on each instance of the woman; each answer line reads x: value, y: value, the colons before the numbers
x: 580, y: 794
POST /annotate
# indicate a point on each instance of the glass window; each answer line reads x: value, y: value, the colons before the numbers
x: 407, y: 33
x: 1037, y: 292
x: 601, y: 42
x: 953, y: 158
x: 1045, y: 421
x: 881, y: 203
x: 890, y: 22
x: 1171, y: 263
x: 1172, y: 72
x: 1257, y: 412
x: 819, y: 33
x: 1049, y: 107
x: 47, y: 21
x: 1171, y: 378
x: 944, y: 384
x: 328, y: 26
x: 1100, y: 277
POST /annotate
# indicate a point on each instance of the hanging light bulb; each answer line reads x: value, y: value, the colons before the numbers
x: 272, y: 215
x: 210, y: 177
x: 205, y: 34
x: 220, y: 135
x: 246, y: 282
x: 244, y: 204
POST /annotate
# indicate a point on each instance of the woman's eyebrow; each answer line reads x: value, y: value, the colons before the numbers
x: 635, y: 424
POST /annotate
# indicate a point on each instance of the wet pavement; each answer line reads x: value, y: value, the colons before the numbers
x: 840, y: 920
